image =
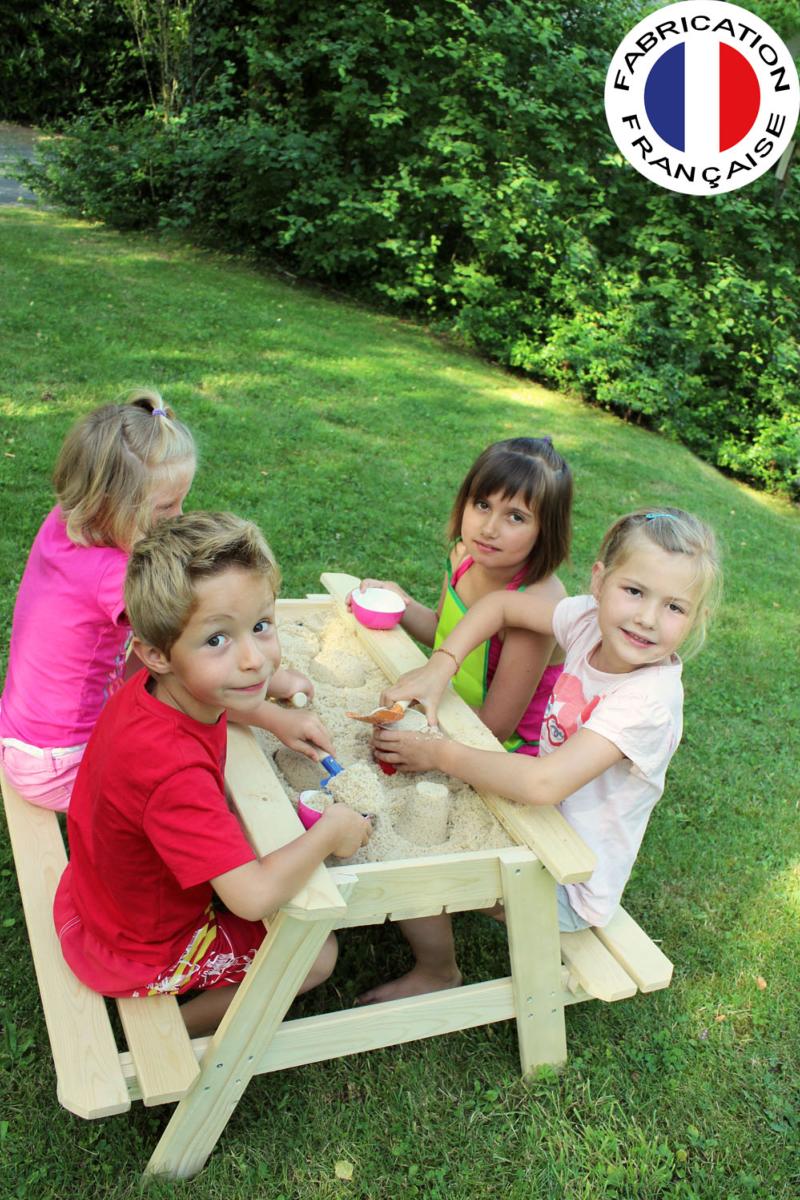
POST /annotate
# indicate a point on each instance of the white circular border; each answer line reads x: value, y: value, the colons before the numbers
x: 621, y: 103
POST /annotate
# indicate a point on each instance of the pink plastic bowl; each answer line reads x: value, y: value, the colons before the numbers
x: 308, y: 815
x: 377, y: 608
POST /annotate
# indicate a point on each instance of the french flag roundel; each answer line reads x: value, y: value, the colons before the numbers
x: 702, y: 97
x: 734, y: 109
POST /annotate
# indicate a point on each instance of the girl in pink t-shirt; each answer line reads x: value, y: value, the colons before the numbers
x: 121, y: 468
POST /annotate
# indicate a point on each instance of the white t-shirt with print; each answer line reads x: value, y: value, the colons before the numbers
x: 641, y: 712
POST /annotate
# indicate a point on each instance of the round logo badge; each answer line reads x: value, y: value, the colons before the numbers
x: 702, y: 97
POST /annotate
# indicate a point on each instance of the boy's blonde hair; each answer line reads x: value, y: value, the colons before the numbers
x: 165, y: 567
x: 677, y: 532
x: 111, y: 461
x: 533, y: 467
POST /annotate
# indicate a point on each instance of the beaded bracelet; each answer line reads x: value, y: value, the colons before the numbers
x: 449, y: 653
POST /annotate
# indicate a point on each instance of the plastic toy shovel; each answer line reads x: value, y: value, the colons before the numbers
x: 383, y: 716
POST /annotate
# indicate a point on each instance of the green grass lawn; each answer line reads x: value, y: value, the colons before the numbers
x: 345, y: 434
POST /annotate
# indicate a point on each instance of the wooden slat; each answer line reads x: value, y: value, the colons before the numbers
x: 269, y: 818
x: 595, y: 969
x: 358, y: 922
x: 392, y: 649
x: 297, y: 610
x: 90, y: 1080
x: 476, y: 902
x: 160, y: 1047
x: 643, y: 960
x: 392, y: 1023
x: 529, y: 896
x: 355, y: 1030
x: 421, y: 886
x: 542, y: 828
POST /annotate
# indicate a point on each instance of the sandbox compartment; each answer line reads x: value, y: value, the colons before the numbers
x: 548, y: 971
x: 412, y: 815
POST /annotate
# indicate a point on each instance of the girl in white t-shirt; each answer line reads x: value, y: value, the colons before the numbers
x: 612, y: 723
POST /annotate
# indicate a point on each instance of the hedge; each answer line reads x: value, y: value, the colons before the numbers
x: 452, y: 161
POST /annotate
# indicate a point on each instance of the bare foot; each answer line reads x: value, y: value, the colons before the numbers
x: 415, y: 983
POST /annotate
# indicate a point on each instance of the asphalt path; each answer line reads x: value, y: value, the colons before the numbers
x: 16, y: 141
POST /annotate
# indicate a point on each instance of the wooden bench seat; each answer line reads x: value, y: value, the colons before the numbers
x: 90, y: 1080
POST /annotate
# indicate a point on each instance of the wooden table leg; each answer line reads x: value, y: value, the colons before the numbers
x: 278, y: 970
x: 530, y: 902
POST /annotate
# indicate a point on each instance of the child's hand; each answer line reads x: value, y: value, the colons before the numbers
x: 389, y: 584
x: 349, y: 830
x: 300, y: 731
x: 426, y: 685
x: 408, y: 751
x: 286, y: 683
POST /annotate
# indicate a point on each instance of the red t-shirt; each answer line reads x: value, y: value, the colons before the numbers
x: 148, y: 827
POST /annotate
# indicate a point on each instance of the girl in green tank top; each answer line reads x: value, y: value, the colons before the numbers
x: 509, y: 528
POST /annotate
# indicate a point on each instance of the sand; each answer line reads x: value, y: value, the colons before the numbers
x: 414, y: 815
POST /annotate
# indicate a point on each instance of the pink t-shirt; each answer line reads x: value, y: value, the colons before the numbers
x: 641, y: 712
x: 68, y: 639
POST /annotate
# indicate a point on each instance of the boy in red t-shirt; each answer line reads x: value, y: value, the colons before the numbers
x: 151, y: 835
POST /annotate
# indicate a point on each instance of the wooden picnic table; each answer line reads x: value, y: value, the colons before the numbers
x: 207, y: 1076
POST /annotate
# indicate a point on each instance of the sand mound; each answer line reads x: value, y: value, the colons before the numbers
x: 415, y: 815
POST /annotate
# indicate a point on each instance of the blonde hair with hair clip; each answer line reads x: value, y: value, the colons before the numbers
x: 676, y: 532
x: 165, y: 567
x: 111, y: 461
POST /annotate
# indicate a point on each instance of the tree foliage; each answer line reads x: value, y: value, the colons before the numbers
x: 58, y: 55
x: 452, y: 160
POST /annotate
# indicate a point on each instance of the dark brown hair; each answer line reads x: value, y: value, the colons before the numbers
x: 533, y: 467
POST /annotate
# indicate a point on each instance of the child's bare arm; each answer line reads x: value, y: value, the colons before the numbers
x: 259, y: 887
x: 498, y: 610
x: 522, y: 662
x: 286, y: 683
x: 503, y: 610
x: 300, y: 731
x: 545, y: 780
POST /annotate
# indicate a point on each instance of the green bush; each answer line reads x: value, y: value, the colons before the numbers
x: 453, y: 161
x: 58, y: 55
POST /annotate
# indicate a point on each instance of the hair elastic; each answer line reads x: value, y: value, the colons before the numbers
x: 547, y: 439
x: 666, y: 516
x: 159, y: 412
